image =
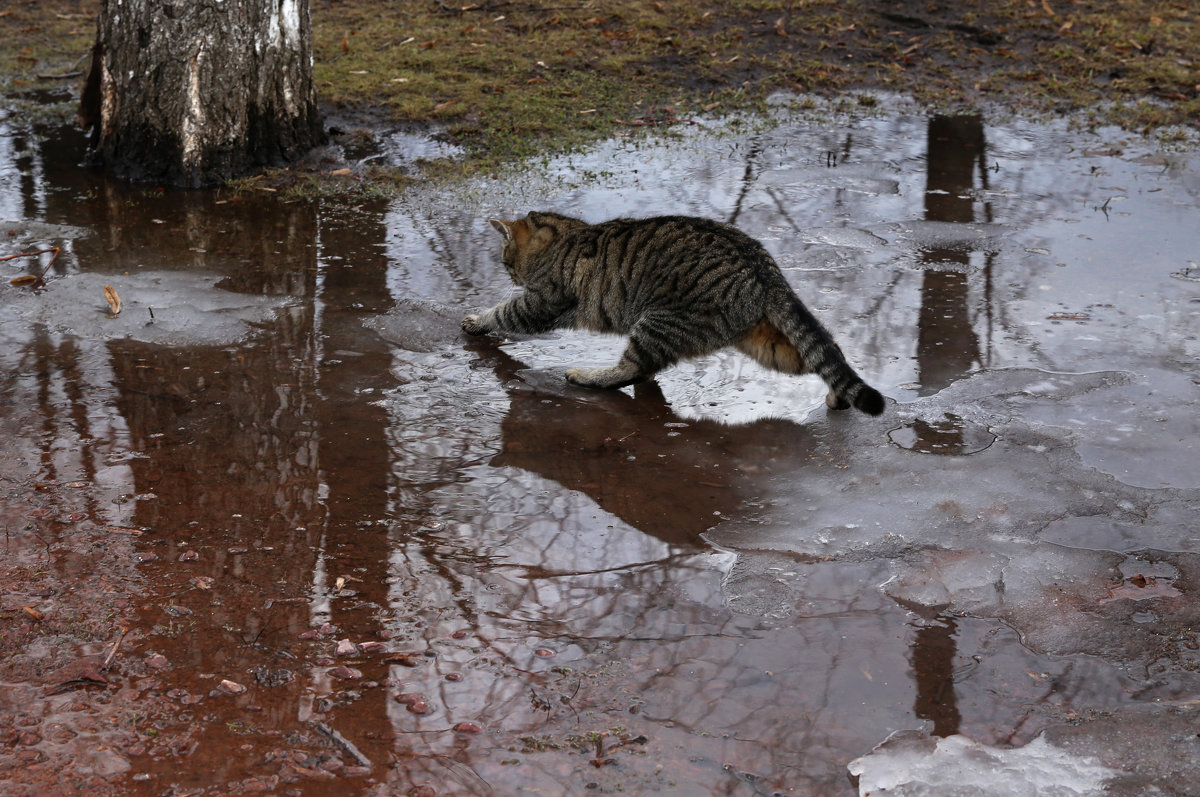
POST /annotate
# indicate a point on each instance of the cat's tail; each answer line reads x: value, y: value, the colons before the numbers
x: 821, y: 354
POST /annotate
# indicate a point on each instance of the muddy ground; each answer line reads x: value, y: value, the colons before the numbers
x: 277, y: 527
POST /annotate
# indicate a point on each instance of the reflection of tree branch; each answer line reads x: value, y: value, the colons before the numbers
x: 534, y: 573
x: 771, y: 192
x: 747, y: 179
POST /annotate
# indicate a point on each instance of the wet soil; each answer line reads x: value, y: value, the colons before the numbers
x: 278, y: 527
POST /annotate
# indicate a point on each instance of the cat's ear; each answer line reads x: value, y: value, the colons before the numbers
x: 537, y: 220
x: 502, y: 227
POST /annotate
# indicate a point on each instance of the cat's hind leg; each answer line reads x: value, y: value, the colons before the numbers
x: 768, y: 346
x: 654, y: 344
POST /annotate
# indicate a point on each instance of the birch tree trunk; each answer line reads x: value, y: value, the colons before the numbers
x: 195, y: 92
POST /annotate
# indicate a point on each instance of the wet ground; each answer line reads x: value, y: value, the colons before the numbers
x: 277, y: 526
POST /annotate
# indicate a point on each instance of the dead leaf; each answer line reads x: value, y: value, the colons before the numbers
x: 779, y: 28
x: 114, y: 300
x: 23, y: 280
x: 441, y: 106
x: 81, y: 672
x: 345, y: 43
x: 33, y: 613
x: 340, y: 172
x: 1046, y: 6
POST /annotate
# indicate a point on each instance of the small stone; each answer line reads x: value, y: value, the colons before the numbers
x: 371, y: 647
x: 467, y: 727
x: 346, y: 648
x: 231, y: 687
x: 454, y: 676
x: 189, y: 556
x: 545, y: 653
x: 141, y: 557
x: 416, y: 703
x: 157, y: 662
x: 238, y: 550
x: 345, y: 673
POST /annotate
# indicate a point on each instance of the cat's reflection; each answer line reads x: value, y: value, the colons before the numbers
x: 634, y: 456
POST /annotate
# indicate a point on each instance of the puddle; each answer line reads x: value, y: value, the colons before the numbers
x: 949, y: 435
x: 355, y: 552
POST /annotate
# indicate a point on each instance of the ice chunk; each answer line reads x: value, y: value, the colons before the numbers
x: 844, y: 236
x: 167, y: 307
x: 418, y: 325
x: 911, y: 764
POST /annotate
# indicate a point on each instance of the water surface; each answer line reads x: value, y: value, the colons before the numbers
x: 705, y: 585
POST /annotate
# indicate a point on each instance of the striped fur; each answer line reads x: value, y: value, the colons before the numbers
x: 677, y: 286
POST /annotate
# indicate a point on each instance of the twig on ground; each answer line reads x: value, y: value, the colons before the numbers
x: 345, y: 744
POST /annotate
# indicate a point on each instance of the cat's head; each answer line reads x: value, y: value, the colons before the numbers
x: 525, y: 238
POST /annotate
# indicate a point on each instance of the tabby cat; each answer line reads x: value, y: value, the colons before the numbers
x: 678, y: 286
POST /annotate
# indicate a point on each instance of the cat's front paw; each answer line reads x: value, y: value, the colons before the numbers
x: 597, y: 377
x: 473, y: 325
